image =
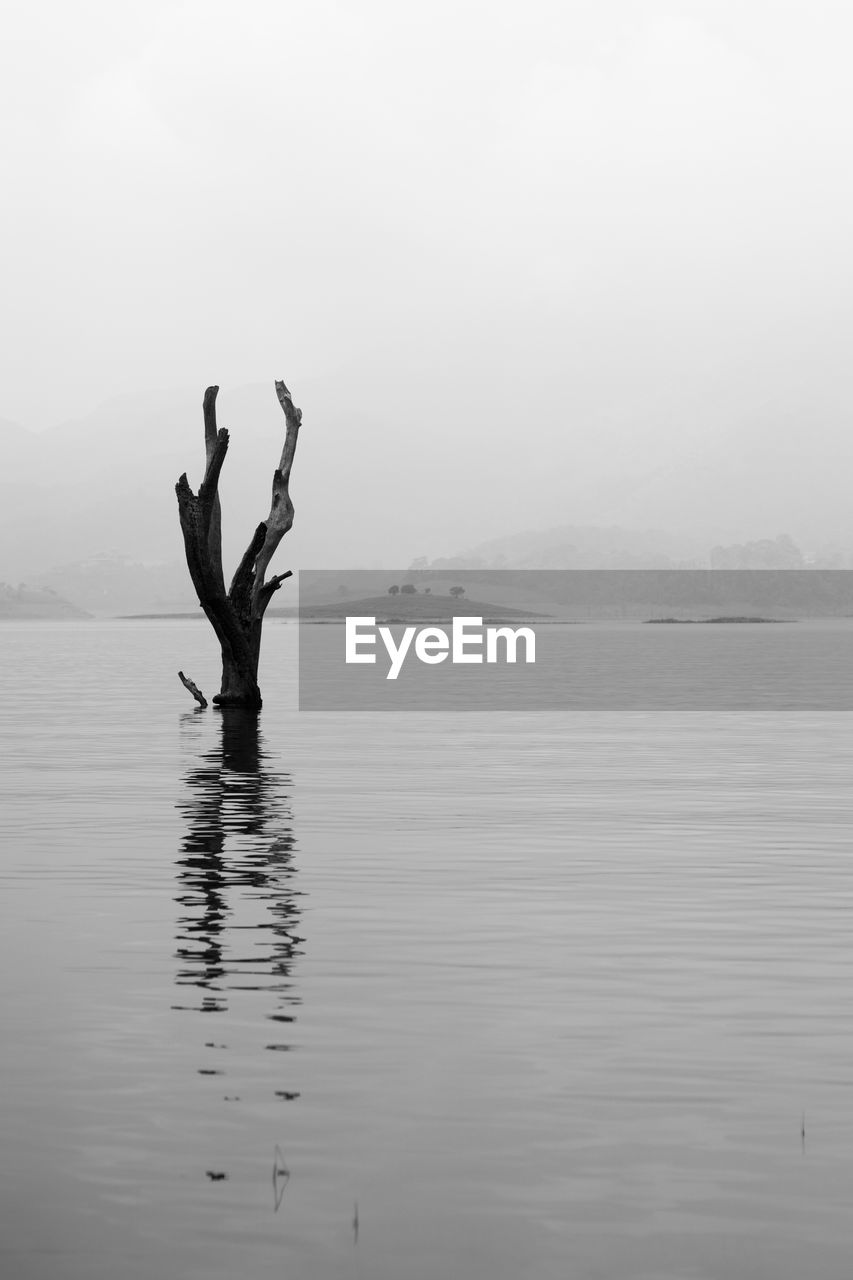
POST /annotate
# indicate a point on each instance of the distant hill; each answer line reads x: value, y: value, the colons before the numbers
x: 579, y: 547
x: 26, y: 602
x: 783, y: 466
x: 116, y: 585
x: 599, y: 547
x: 626, y: 594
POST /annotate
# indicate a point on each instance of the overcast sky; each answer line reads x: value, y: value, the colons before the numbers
x: 638, y: 200
x: 257, y: 189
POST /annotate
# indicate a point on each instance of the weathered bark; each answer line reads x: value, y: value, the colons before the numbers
x: 236, y: 615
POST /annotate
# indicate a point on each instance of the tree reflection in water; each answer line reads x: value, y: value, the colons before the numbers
x: 238, y: 911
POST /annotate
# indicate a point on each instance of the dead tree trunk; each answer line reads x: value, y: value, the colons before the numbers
x: 236, y: 615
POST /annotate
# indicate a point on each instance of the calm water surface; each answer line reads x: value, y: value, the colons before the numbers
x: 543, y: 995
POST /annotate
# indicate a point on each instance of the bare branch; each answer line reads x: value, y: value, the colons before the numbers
x: 208, y: 494
x: 209, y: 410
x: 293, y: 417
x: 269, y: 589
x: 281, y: 513
x: 211, y: 441
x: 193, y: 688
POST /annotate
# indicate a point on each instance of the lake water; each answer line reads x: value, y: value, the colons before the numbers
x: 416, y: 996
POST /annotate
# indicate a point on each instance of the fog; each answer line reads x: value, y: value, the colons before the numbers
x: 519, y: 264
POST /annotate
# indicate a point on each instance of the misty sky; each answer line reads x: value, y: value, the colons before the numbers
x: 647, y: 202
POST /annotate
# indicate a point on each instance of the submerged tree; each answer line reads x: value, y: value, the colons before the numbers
x: 236, y: 615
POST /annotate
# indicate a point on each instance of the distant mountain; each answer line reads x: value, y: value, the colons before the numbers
x: 114, y: 584
x: 26, y: 602
x: 20, y: 450
x: 579, y: 547
x: 591, y: 547
x: 439, y: 460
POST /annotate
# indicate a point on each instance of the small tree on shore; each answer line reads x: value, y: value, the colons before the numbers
x: 236, y: 615
x: 456, y: 592
x: 392, y: 591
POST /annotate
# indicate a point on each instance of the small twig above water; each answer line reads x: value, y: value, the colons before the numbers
x: 193, y: 688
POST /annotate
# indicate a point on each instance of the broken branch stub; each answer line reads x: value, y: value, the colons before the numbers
x: 193, y: 688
